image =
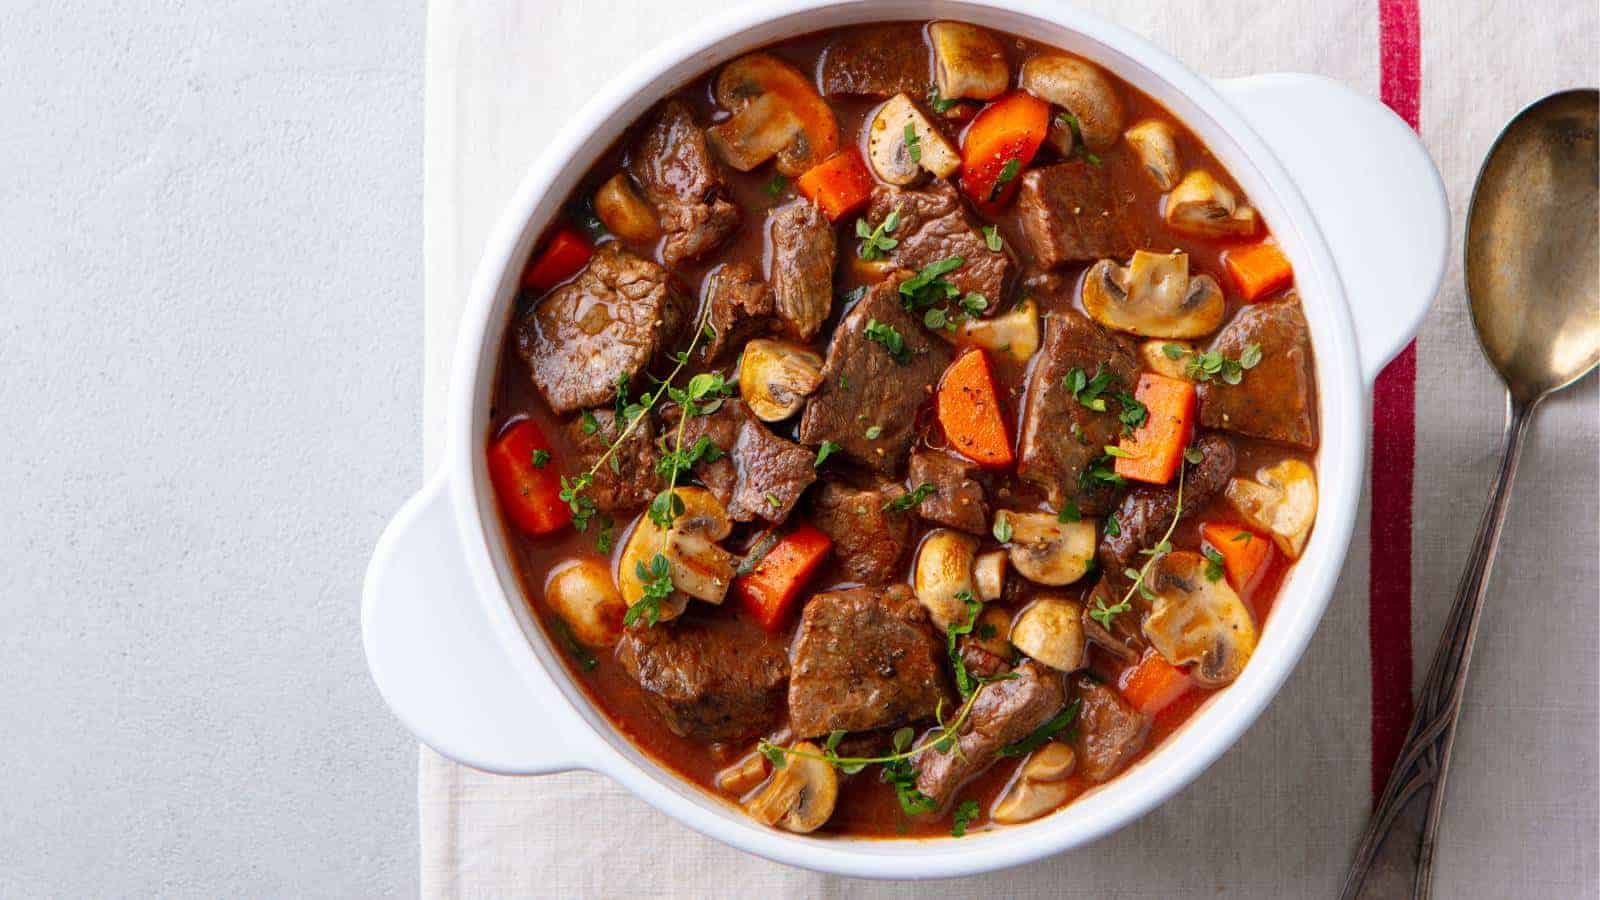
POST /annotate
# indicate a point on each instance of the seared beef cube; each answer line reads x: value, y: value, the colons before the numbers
x: 935, y: 226
x: 1123, y: 639
x: 738, y: 307
x: 980, y: 662
x: 721, y: 426
x: 773, y: 473
x: 1274, y: 400
x: 679, y: 176
x: 957, y: 499
x: 620, y: 313
x: 876, y: 62
x: 709, y: 679
x: 1060, y: 437
x: 1071, y: 215
x: 626, y: 481
x: 1146, y: 512
x: 868, y: 540
x: 868, y: 401
x: 1109, y: 730
x: 864, y: 658
x: 802, y: 267
x: 1006, y: 712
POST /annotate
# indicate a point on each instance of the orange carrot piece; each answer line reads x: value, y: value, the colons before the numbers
x: 1155, y: 449
x: 839, y: 185
x: 1244, y: 553
x: 566, y: 254
x: 1153, y: 684
x: 969, y: 411
x: 769, y: 592
x: 1258, y: 270
x: 999, y: 144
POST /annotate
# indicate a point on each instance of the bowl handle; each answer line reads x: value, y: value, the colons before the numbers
x: 436, y: 658
x: 1375, y: 193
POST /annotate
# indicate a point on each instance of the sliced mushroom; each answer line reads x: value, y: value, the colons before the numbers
x: 1153, y: 297
x: 1041, y: 786
x: 1281, y: 501
x: 697, y: 565
x: 583, y: 595
x: 800, y: 796
x: 943, y: 572
x: 901, y: 142
x: 990, y: 632
x: 743, y: 775
x: 1051, y: 631
x: 989, y: 575
x: 1047, y: 551
x: 777, y: 112
x: 1194, y: 620
x: 1200, y: 205
x: 1081, y: 89
x: 625, y: 214
x: 1162, y: 361
x: 1015, y: 334
x: 776, y: 377
x: 1153, y: 142
x: 968, y: 62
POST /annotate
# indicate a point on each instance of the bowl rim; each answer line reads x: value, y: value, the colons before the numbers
x: 1209, y: 732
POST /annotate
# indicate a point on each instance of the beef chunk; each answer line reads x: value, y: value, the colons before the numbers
x: 868, y: 540
x: 1146, y: 512
x: 630, y: 482
x: 1006, y: 712
x: 980, y: 662
x: 738, y: 307
x: 1060, y: 437
x: 1274, y: 401
x: 710, y: 679
x: 1109, y: 731
x: 721, y: 426
x: 679, y: 176
x: 802, y: 268
x: 865, y: 390
x: 864, y: 658
x: 876, y: 62
x: 1070, y: 214
x: 957, y: 499
x: 620, y: 313
x: 935, y: 226
x: 772, y: 473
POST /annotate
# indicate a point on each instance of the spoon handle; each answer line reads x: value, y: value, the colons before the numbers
x: 1398, y: 846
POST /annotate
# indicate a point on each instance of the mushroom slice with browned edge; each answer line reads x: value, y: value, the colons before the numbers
x: 800, y: 795
x: 1200, y: 205
x: 1154, y: 296
x: 777, y: 112
x: 901, y: 143
x: 1083, y: 91
x: 1041, y: 787
x: 1153, y: 142
x: 696, y: 564
x: 776, y: 377
x: 968, y: 62
x: 1045, y: 550
x: 1195, y: 620
x: 1281, y: 501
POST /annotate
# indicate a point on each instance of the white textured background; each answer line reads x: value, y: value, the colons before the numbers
x: 210, y: 365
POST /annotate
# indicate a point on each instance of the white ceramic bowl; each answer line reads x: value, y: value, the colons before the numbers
x: 1347, y: 190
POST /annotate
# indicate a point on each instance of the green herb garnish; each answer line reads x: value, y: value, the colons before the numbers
x: 913, y: 143
x: 1214, y: 568
x: 965, y: 813
x: 875, y: 242
x: 541, y: 458
x: 827, y: 449
x: 910, y: 499
x: 1002, y: 528
x: 991, y: 238
x: 890, y: 338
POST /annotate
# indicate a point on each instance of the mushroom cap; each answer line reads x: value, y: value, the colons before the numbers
x: 942, y: 572
x: 997, y: 620
x: 892, y: 155
x: 1201, y: 205
x: 800, y: 796
x: 1156, y: 146
x: 1046, y: 551
x: 625, y: 214
x: 989, y: 575
x: 1080, y: 88
x: 581, y: 592
x: 775, y: 377
x: 1153, y: 354
x: 1154, y: 296
x: 1051, y: 631
x: 698, y: 565
x: 1196, y: 620
x: 1041, y: 787
x: 1014, y: 333
x: 776, y: 111
x: 1282, y: 501
x: 743, y: 774
x: 968, y: 62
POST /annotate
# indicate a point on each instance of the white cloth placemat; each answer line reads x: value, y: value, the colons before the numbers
x: 1279, y: 814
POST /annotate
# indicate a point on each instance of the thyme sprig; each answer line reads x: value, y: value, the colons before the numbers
x: 1162, y: 548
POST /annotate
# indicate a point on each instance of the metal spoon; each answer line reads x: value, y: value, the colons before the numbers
x: 1533, y: 282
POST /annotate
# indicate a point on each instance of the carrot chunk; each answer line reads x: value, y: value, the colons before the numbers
x: 1244, y: 553
x: 769, y: 592
x: 839, y: 185
x: 526, y: 479
x: 969, y: 411
x: 566, y: 254
x: 999, y: 144
x: 1155, y: 449
x: 1258, y: 270
x: 1153, y: 684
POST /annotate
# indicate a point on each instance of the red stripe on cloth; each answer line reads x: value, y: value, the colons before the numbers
x: 1394, y: 449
